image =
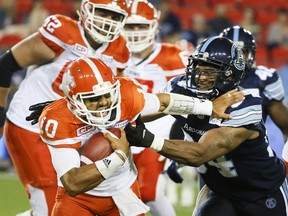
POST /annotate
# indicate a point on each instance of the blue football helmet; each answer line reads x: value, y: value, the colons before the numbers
x: 245, y: 41
x: 216, y: 66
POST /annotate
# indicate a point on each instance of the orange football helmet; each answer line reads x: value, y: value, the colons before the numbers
x: 141, y: 12
x: 103, y: 28
x: 90, y: 79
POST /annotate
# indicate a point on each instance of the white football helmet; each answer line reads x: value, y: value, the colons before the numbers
x: 141, y: 12
x: 103, y: 28
x: 90, y: 79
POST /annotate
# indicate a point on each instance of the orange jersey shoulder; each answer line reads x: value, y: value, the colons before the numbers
x: 132, y: 98
x: 118, y: 49
x: 59, y: 29
x: 59, y: 127
x: 171, y: 57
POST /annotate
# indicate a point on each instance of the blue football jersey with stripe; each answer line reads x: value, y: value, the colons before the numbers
x: 267, y: 83
x: 250, y: 171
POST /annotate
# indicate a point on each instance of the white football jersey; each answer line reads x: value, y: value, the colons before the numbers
x: 43, y: 82
x: 165, y: 62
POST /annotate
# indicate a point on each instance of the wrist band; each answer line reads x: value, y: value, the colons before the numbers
x: 157, y: 144
x: 107, y: 166
x: 121, y: 153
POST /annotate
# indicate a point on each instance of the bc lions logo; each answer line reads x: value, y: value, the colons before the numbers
x: 70, y: 80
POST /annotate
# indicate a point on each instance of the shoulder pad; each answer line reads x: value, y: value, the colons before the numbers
x: 132, y: 98
x: 246, y: 112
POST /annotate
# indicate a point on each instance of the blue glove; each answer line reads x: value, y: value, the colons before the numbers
x: 173, y: 173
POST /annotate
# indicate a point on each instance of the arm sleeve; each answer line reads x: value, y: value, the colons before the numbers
x: 64, y: 159
x: 152, y: 104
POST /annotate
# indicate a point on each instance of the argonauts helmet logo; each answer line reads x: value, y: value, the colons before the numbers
x: 237, y: 54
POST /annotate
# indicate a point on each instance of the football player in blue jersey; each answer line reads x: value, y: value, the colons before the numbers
x: 263, y: 80
x: 233, y: 156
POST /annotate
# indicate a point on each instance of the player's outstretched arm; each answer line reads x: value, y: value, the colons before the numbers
x: 213, y: 144
x: 177, y: 104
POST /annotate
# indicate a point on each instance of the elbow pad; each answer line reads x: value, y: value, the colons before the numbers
x: 8, y: 65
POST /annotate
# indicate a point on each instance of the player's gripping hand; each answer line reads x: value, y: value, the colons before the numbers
x: 36, y: 111
x: 139, y: 136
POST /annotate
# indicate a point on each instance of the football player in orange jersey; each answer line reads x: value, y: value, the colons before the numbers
x: 149, y: 66
x: 96, y: 100
x: 59, y: 41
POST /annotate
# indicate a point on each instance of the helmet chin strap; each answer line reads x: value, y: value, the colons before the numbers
x: 112, y: 115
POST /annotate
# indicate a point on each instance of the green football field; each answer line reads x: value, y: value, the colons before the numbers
x: 12, y: 195
x: 13, y: 198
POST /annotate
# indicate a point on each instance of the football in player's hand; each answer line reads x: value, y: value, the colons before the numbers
x: 97, y: 147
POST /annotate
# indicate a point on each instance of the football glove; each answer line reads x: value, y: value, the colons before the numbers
x: 173, y: 173
x: 36, y: 111
x: 139, y: 136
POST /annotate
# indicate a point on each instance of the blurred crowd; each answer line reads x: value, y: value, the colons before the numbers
x: 20, y: 18
x: 182, y: 22
x: 193, y: 20
x: 185, y: 22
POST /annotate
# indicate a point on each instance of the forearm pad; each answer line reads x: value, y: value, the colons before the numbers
x: 8, y: 65
x: 185, y: 105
